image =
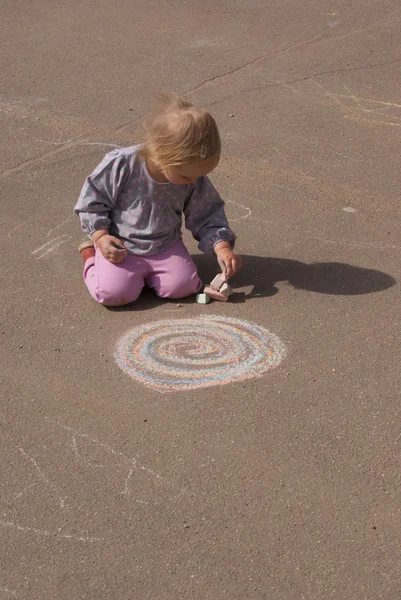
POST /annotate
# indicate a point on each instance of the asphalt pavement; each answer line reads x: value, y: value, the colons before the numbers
x: 273, y: 475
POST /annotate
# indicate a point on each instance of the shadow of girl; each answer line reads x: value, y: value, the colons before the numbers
x: 324, y: 278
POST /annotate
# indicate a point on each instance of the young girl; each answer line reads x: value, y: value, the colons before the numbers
x: 131, y: 206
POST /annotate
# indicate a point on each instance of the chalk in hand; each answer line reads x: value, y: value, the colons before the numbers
x: 119, y: 246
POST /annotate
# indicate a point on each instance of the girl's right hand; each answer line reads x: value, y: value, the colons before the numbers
x: 112, y: 248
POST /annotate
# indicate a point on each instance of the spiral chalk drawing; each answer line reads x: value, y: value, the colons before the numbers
x: 184, y: 354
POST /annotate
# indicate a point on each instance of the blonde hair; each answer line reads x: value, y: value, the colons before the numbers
x: 179, y: 133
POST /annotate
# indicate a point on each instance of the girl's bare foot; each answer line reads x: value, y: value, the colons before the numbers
x: 87, y: 250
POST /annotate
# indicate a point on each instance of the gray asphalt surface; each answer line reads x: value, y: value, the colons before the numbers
x: 283, y: 487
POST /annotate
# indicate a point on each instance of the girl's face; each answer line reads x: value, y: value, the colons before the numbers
x: 187, y: 174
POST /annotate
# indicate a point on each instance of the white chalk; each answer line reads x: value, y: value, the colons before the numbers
x: 202, y: 299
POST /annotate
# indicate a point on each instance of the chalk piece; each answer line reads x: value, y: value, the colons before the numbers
x: 226, y: 290
x: 218, y: 281
x: 202, y: 299
x: 215, y: 294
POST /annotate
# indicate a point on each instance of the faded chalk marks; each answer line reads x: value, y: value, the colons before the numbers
x: 184, y: 354
x: 243, y: 211
x: 127, y: 473
x: 50, y: 246
x: 55, y: 534
x: 43, y: 478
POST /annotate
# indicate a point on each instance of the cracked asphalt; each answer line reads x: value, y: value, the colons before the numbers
x: 280, y: 487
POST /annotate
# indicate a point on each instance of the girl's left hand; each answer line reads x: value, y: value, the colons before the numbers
x: 228, y: 260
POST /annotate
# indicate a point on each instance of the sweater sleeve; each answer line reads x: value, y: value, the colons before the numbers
x: 100, y: 191
x: 205, y: 216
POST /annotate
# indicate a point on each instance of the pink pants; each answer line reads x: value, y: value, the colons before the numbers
x: 171, y: 273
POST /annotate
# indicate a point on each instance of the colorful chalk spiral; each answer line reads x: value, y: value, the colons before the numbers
x: 184, y: 354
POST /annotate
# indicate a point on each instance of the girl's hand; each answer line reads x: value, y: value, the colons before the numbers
x: 229, y: 262
x: 112, y: 248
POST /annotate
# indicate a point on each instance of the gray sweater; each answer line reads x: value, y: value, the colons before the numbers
x: 121, y: 196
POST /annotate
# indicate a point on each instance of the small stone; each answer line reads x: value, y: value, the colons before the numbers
x: 179, y: 305
x: 231, y: 115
